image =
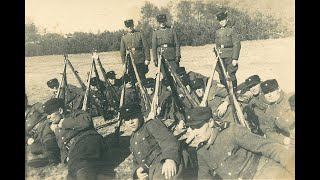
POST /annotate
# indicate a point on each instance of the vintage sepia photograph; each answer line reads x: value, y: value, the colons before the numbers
x: 159, y: 89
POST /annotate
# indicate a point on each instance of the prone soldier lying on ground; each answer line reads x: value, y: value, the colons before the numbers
x: 156, y: 152
x: 74, y: 95
x: 40, y: 138
x: 82, y: 148
x: 231, y: 151
x: 277, y: 120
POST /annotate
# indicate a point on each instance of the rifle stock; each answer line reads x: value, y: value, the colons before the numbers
x: 144, y: 95
x: 155, y: 100
x: 62, y: 80
x: 183, y: 88
x: 235, y: 104
x: 85, y: 100
x: 209, y: 83
x: 104, y: 73
x: 117, y: 130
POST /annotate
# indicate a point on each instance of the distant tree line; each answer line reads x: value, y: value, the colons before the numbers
x: 195, y: 23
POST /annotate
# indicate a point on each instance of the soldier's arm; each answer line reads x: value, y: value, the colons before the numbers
x: 154, y: 46
x: 236, y: 44
x: 258, y: 144
x: 80, y: 122
x: 135, y: 167
x: 122, y: 50
x: 146, y: 47
x: 169, y: 144
x: 267, y: 127
x: 203, y: 168
x: 217, y: 36
x: 177, y: 44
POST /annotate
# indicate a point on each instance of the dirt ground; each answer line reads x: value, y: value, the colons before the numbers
x: 273, y: 58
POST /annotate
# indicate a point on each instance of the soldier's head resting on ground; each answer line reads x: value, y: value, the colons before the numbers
x: 55, y: 109
x: 253, y: 82
x: 201, y: 121
x: 162, y: 20
x: 222, y: 17
x: 197, y: 86
x: 111, y: 75
x: 271, y: 90
x: 53, y: 84
x: 132, y: 116
x: 149, y: 84
x: 129, y: 25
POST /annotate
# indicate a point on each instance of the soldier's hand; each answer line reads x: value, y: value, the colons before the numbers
x: 156, y: 63
x: 147, y: 62
x: 141, y: 174
x: 169, y: 168
x: 30, y: 141
x: 60, y: 123
x: 222, y: 108
x: 181, y: 124
x: 53, y: 127
x: 234, y: 62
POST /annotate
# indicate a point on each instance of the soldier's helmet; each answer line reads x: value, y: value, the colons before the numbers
x: 128, y: 23
x: 222, y: 16
x: 161, y: 18
x: 53, y: 83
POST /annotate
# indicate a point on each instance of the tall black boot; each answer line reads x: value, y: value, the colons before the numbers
x: 52, y: 151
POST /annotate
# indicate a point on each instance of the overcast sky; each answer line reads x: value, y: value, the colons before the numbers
x: 64, y: 16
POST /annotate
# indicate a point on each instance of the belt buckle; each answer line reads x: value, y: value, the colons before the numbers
x: 165, y: 45
x: 222, y: 46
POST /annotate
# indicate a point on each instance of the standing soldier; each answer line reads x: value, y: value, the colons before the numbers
x: 134, y: 40
x: 165, y: 41
x: 228, y: 46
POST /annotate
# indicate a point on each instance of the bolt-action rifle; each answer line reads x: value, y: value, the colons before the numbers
x: 235, y: 104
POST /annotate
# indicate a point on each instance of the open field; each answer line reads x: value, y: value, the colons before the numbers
x: 273, y: 58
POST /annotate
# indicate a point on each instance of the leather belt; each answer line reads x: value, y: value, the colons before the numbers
x: 223, y: 46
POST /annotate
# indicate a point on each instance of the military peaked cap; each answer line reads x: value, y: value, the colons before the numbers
x: 198, y: 116
x: 252, y: 81
x: 128, y: 23
x: 148, y: 82
x: 53, y: 83
x: 111, y: 75
x: 197, y: 83
x: 222, y: 16
x: 130, y: 109
x: 181, y: 70
x: 242, y: 88
x: 161, y: 18
x: 269, y: 85
x: 53, y: 105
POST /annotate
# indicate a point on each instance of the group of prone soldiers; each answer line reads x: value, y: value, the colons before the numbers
x: 224, y: 148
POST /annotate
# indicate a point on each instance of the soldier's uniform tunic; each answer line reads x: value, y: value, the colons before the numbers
x: 140, y: 50
x: 228, y: 46
x: 151, y: 145
x: 81, y: 146
x: 165, y: 39
x: 276, y: 119
x: 232, y: 154
x: 38, y: 128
